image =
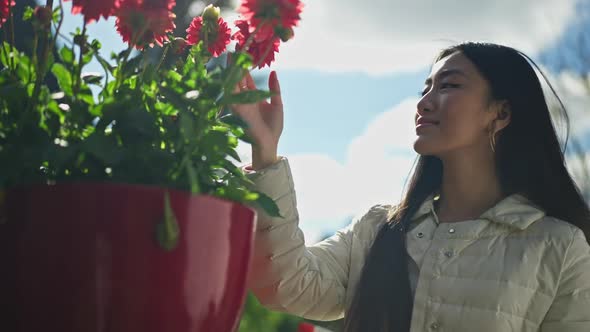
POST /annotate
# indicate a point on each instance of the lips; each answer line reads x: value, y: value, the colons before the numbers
x: 425, y: 122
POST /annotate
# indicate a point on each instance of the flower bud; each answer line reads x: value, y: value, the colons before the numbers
x: 43, y: 16
x: 82, y: 41
x: 178, y: 45
x: 284, y: 33
x: 211, y: 13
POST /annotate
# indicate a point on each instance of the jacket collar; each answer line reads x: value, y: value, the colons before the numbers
x: 514, y: 211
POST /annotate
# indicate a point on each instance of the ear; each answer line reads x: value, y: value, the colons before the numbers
x: 502, y: 114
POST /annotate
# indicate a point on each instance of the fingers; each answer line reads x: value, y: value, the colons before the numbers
x: 246, y: 83
x: 273, y: 85
x: 250, y: 81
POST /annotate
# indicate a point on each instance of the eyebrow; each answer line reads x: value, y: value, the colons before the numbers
x: 446, y: 73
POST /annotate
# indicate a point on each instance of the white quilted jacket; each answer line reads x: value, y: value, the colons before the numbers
x: 513, y: 269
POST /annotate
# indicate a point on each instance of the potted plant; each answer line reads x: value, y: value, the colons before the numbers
x: 121, y: 204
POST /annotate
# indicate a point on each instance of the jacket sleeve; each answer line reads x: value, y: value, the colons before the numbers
x: 570, y: 310
x: 286, y: 275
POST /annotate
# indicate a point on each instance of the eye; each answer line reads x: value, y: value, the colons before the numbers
x: 448, y: 85
x: 423, y: 92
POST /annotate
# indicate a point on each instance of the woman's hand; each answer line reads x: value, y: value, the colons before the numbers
x: 264, y: 119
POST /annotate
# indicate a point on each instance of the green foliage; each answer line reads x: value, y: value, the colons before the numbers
x: 257, y: 318
x: 167, y: 231
x: 148, y: 124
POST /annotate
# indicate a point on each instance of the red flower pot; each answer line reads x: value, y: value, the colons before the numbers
x: 83, y: 257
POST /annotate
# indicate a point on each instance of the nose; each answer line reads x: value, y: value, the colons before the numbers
x: 424, y: 105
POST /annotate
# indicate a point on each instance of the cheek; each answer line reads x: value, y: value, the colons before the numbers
x: 462, y: 128
x: 459, y: 127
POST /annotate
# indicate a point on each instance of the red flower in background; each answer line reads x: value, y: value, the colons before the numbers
x: 159, y: 4
x: 266, y: 15
x: 142, y: 22
x: 93, y: 9
x: 215, y: 35
x: 5, y: 10
x: 262, y: 51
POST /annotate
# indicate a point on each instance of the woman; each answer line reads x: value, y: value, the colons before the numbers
x: 490, y: 236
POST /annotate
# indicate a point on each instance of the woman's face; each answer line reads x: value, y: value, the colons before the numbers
x: 452, y: 115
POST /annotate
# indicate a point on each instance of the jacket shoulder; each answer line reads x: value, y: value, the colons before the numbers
x: 555, y: 228
x: 366, y: 226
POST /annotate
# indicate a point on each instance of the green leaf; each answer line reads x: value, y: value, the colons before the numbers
x: 28, y: 14
x: 192, y: 176
x: 247, y: 139
x: 187, y: 127
x: 66, y: 55
x: 24, y: 67
x: 174, y: 98
x: 64, y: 78
x: 3, y: 56
x: 96, y: 45
x: 85, y: 94
x: 56, y: 14
x: 242, y: 59
x: 246, y: 97
x: 92, y: 78
x: 104, y: 148
x: 234, y: 120
x: 239, y: 62
x: 104, y: 63
x: 131, y: 66
x: 87, y: 57
x: 174, y: 76
x: 233, y: 154
x: 268, y: 205
x: 167, y: 231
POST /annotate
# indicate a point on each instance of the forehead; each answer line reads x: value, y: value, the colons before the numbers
x: 456, y: 63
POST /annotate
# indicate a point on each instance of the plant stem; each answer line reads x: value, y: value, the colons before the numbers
x: 11, y: 25
x: 249, y: 41
x: 78, y: 72
x: 121, y: 66
x: 48, y: 45
x: 35, y: 56
x: 11, y: 18
x: 106, y: 70
x: 61, y: 19
x: 164, y: 53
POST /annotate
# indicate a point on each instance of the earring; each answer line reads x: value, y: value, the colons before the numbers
x: 493, y: 141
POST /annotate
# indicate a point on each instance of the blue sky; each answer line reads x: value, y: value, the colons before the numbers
x: 350, y: 80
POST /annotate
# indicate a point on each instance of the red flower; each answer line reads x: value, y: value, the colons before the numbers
x: 5, y: 10
x: 262, y: 51
x: 159, y: 4
x: 93, y: 10
x: 215, y: 35
x: 266, y: 15
x: 142, y: 22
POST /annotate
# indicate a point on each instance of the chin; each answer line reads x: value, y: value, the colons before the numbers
x: 424, y: 147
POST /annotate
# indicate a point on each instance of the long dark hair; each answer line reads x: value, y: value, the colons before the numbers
x: 529, y: 161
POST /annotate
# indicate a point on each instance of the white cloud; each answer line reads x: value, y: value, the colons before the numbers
x: 576, y: 97
x: 392, y: 35
x: 375, y: 170
x: 579, y: 168
x: 378, y: 161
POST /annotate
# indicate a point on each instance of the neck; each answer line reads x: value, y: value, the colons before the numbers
x: 470, y: 186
